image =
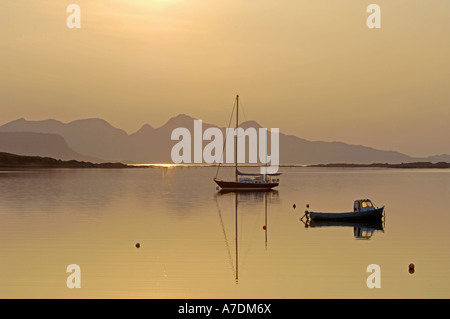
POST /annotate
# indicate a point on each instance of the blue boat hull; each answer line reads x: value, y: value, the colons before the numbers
x: 366, y: 215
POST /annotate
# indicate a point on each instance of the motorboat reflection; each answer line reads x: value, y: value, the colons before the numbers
x: 361, y: 229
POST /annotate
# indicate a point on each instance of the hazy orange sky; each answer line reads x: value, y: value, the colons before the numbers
x: 309, y: 67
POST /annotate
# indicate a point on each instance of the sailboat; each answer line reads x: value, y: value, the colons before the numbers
x: 246, y: 181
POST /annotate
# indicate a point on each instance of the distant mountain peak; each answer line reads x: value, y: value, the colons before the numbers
x: 91, y: 121
x: 182, y: 116
x: 181, y: 120
x: 251, y: 123
x: 146, y: 128
x: 23, y: 124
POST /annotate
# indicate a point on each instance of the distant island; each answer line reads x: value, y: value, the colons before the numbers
x: 8, y: 160
x: 387, y: 165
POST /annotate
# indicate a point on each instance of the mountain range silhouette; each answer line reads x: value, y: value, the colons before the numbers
x: 95, y: 140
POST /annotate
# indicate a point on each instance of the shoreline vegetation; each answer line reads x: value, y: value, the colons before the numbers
x: 8, y: 160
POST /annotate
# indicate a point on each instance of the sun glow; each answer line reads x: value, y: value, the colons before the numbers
x: 156, y: 2
x: 164, y: 165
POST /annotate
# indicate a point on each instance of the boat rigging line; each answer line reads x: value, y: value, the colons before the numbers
x: 224, y: 144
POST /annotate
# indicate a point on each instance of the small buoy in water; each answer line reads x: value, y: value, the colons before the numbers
x: 294, y: 206
x: 411, y: 268
x: 138, y: 245
x: 307, y: 205
x: 264, y: 227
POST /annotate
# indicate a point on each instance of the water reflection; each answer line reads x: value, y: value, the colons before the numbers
x: 243, y: 197
x: 361, y: 229
x: 251, y: 195
x: 51, y: 190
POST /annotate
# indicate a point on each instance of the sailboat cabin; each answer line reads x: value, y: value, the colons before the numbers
x: 258, y: 179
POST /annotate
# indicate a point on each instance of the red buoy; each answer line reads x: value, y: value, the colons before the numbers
x: 264, y: 227
x: 307, y: 205
x: 411, y: 268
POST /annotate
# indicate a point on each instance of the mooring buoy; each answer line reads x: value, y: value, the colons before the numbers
x: 411, y: 268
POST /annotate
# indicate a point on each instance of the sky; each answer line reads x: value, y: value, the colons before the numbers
x: 311, y: 68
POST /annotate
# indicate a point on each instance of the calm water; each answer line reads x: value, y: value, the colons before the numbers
x: 189, y: 247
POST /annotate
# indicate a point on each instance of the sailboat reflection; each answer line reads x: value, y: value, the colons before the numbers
x: 361, y: 229
x: 247, y: 196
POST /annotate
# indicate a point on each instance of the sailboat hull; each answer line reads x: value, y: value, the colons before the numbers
x: 245, y: 186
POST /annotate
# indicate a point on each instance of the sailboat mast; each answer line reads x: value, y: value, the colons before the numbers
x: 236, y: 139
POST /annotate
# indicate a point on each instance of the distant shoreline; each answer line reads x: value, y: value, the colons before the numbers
x: 8, y: 160
x: 387, y: 165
